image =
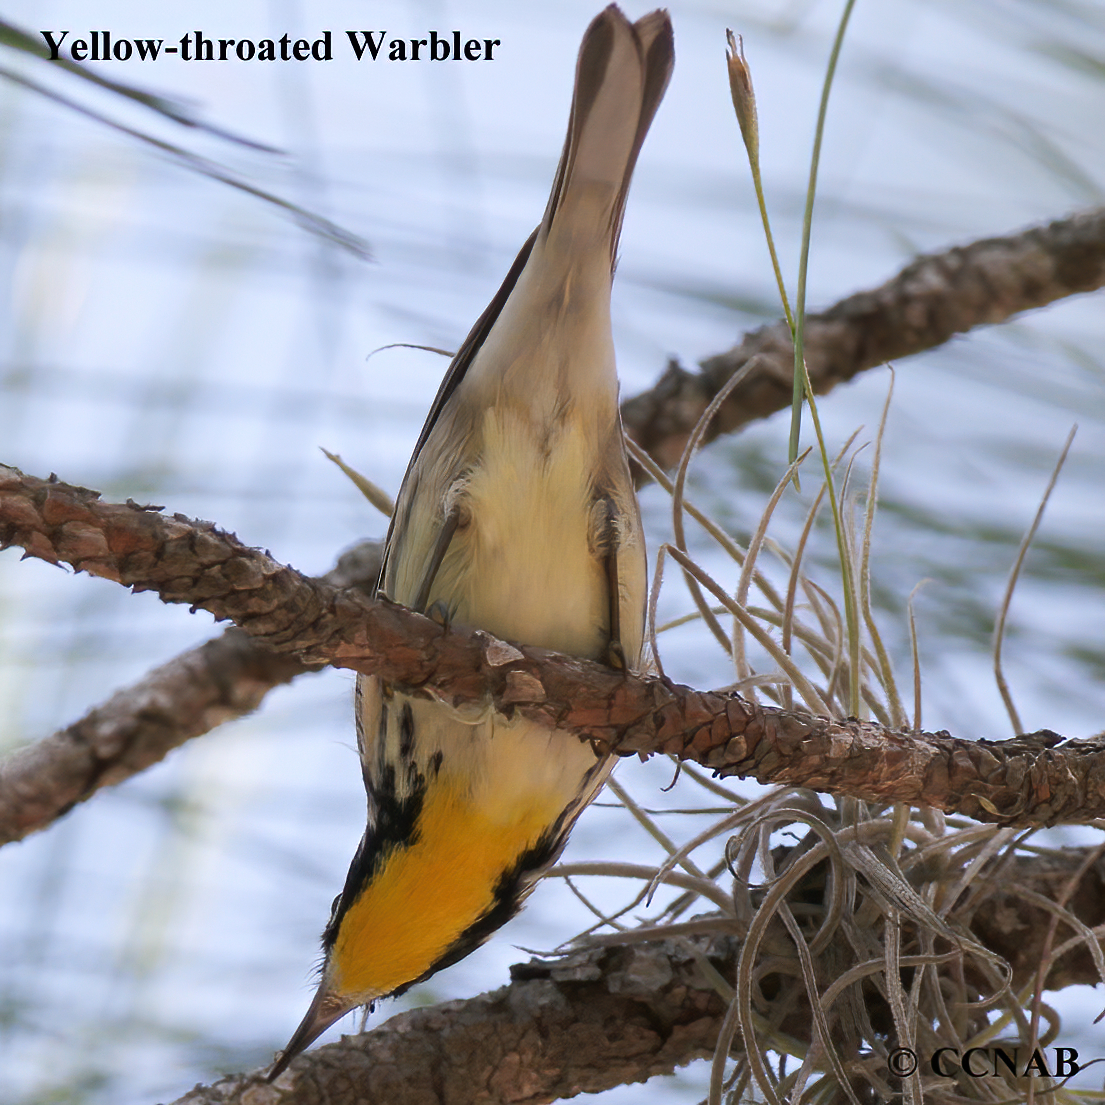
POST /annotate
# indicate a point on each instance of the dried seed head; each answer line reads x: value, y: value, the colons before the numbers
x: 744, y: 98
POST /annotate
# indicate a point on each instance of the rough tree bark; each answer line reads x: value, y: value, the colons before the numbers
x: 1026, y: 781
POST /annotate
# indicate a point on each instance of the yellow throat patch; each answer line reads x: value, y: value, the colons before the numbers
x: 427, y: 893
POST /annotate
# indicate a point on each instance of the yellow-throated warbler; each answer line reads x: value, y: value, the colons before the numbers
x: 517, y: 515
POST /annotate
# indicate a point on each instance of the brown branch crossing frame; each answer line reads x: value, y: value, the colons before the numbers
x: 1027, y: 781
x: 935, y: 297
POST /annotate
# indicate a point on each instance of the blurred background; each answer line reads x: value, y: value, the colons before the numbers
x: 173, y: 339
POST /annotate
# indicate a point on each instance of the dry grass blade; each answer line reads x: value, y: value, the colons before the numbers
x: 992, y: 844
x: 1014, y: 575
x: 792, y: 584
x: 823, y: 1045
x: 885, y: 669
x: 809, y: 693
x: 707, y: 888
x: 677, y: 507
x: 649, y: 825
x: 375, y: 494
x: 713, y: 530
x: 712, y: 785
x: 915, y: 655
x: 652, y: 657
x: 755, y: 543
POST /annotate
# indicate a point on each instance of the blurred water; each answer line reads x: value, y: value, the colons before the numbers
x: 172, y: 340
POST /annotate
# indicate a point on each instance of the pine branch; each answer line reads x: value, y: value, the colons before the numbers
x: 597, y: 1020
x: 197, y: 691
x: 1025, y: 781
x: 931, y: 300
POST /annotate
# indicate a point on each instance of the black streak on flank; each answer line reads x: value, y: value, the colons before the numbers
x: 392, y: 825
x: 373, y: 774
x: 406, y: 733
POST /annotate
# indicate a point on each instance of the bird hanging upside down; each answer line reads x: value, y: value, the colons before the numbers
x: 517, y: 515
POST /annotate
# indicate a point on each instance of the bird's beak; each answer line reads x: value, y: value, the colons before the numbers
x: 326, y: 1008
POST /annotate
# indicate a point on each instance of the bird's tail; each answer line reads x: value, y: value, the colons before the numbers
x: 622, y: 72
